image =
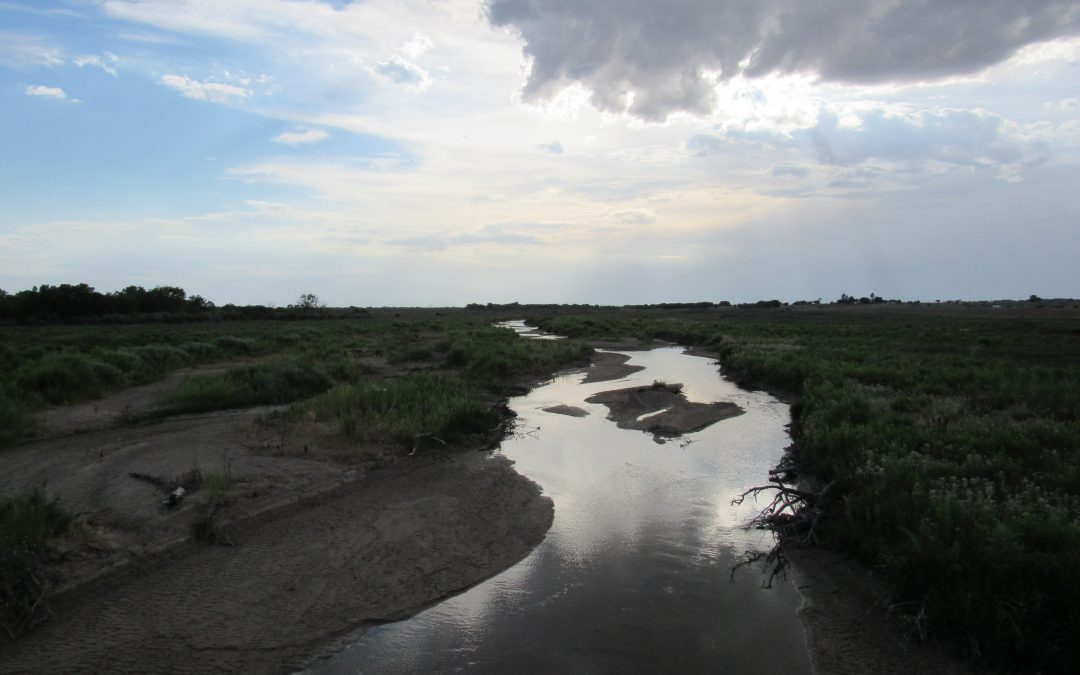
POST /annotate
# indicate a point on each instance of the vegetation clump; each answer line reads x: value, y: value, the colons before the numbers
x: 260, y: 384
x: 407, y: 411
x: 28, y: 521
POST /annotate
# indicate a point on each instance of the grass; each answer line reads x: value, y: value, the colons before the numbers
x: 952, y: 444
x: 50, y: 365
x: 406, y: 411
x: 28, y: 521
x: 259, y: 384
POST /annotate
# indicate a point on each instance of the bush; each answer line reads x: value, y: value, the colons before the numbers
x: 67, y: 377
x: 235, y: 345
x: 262, y: 384
x: 404, y: 411
x: 17, y: 420
x: 27, y: 522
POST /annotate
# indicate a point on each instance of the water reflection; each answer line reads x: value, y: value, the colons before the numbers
x: 634, y: 573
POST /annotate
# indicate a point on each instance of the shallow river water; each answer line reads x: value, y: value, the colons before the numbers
x: 634, y: 575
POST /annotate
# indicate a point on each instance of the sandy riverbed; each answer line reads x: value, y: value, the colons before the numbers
x: 320, y: 547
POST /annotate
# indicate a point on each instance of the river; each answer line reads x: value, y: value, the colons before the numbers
x: 634, y: 575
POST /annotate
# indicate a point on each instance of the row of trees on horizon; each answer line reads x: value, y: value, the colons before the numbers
x: 75, y: 303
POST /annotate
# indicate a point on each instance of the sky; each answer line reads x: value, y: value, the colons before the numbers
x: 442, y: 152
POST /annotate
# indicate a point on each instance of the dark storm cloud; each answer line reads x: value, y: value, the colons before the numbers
x: 655, y: 58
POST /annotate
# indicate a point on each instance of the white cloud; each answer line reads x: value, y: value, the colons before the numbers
x: 106, y: 63
x: 300, y: 137
x: 50, y: 92
x: 224, y: 19
x: 1067, y: 105
x: 400, y: 71
x: 419, y: 44
x: 25, y: 52
x: 216, y: 92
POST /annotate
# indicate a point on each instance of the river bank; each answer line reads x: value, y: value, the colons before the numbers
x: 369, y: 551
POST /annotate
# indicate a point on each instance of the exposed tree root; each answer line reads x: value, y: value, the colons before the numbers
x: 792, y: 515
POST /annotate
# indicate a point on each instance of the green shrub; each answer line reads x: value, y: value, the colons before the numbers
x: 30, y: 520
x: 200, y: 351
x: 406, y: 410
x: 17, y: 419
x: 67, y: 377
x: 260, y: 384
x: 236, y: 345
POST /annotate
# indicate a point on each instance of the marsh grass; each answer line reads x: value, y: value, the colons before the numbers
x: 492, y: 358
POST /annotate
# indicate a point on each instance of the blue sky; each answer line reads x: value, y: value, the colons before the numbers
x: 440, y: 152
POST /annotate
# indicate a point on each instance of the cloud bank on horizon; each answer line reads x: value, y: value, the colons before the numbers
x: 609, y: 151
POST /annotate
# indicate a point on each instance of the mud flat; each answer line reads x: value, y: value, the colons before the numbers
x: 608, y: 366
x: 373, y: 550
x: 662, y: 410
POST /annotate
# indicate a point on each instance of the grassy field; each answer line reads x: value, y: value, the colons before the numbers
x: 270, y: 362
x: 950, y: 442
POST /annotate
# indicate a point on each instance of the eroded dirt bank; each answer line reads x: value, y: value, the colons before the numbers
x: 375, y: 549
x: 848, y: 629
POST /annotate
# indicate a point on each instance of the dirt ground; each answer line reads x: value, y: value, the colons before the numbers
x: 849, y: 631
x: 319, y: 548
x: 608, y: 366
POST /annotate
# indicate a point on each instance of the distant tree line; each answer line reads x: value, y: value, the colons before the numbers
x: 68, y: 302
x: 80, y: 303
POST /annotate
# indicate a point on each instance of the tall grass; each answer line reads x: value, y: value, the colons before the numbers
x: 28, y: 521
x: 406, y: 411
x: 260, y: 384
x: 491, y: 357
